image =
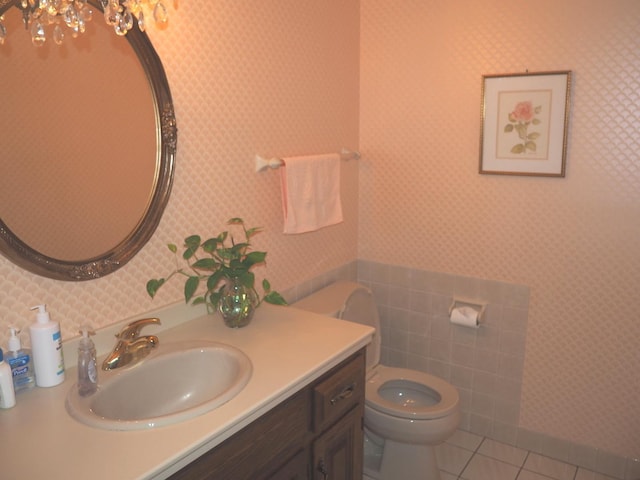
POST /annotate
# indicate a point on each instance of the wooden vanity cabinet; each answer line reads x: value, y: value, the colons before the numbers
x: 316, y: 434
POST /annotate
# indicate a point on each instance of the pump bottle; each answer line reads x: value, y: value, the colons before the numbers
x: 87, y: 371
x: 20, y: 361
x: 46, y: 345
x: 7, y: 394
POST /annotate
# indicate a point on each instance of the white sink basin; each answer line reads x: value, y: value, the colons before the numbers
x: 176, y: 382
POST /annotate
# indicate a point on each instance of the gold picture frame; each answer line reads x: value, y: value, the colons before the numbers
x: 524, y: 123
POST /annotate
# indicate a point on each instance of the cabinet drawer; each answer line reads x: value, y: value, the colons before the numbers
x: 343, y: 388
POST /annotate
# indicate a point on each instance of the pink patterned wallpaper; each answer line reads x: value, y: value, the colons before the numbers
x: 575, y: 241
x: 284, y: 77
x: 271, y: 77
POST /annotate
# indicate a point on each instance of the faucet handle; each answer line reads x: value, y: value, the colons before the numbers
x: 132, y: 331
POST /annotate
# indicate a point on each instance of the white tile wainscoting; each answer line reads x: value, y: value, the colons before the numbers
x: 485, y: 365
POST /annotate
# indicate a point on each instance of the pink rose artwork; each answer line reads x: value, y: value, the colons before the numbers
x: 522, y: 116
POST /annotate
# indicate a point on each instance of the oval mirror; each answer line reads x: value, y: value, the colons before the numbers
x: 88, y: 148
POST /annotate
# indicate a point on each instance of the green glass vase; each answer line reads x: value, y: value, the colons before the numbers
x: 237, y: 303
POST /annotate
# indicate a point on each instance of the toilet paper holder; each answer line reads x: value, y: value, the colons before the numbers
x: 477, y: 305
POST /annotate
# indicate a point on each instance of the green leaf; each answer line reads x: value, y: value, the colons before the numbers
x: 205, y: 264
x: 275, y: 298
x: 508, y: 128
x: 531, y: 146
x: 153, y: 285
x: 535, y: 121
x: 198, y: 300
x: 239, y: 248
x: 538, y: 109
x: 254, y: 258
x: 247, y: 279
x: 226, y: 253
x: 190, y: 287
x: 235, y: 221
x: 214, y: 279
x: 172, y: 247
x: 214, y: 298
x: 210, y: 245
x: 519, y: 148
x: 266, y: 286
x: 236, y: 265
x: 533, y: 136
x: 252, y: 231
x: 192, y: 242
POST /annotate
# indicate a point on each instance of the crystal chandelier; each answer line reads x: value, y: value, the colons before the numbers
x: 71, y: 16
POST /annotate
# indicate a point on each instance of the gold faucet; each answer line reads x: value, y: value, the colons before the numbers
x: 131, y: 347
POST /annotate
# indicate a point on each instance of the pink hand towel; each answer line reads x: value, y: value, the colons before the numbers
x: 311, y: 192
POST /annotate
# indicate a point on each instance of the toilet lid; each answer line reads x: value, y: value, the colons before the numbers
x: 360, y: 307
x: 411, y: 394
x: 348, y: 301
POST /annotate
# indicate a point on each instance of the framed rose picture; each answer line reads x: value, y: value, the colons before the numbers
x: 524, y: 124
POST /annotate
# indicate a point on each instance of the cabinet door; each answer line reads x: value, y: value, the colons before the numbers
x: 296, y: 468
x: 337, y: 453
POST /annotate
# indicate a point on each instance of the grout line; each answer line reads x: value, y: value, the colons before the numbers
x: 526, y: 457
x: 475, y: 452
x: 479, y: 445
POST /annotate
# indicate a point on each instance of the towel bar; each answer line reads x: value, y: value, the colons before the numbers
x: 264, y: 163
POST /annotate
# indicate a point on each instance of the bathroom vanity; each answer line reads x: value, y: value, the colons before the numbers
x: 316, y: 433
x: 298, y: 417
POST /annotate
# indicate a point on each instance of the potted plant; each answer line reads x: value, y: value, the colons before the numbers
x: 226, y: 270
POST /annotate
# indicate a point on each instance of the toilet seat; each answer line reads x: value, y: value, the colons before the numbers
x: 427, y: 397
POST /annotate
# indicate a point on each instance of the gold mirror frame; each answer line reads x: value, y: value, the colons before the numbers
x: 28, y: 258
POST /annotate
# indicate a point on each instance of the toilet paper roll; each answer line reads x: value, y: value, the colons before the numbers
x: 465, y: 316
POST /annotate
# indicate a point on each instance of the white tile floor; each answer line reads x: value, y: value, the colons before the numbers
x: 466, y: 456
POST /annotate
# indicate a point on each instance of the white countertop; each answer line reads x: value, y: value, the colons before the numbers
x: 288, y: 348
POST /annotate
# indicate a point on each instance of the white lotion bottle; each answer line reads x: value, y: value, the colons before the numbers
x: 7, y: 394
x: 46, y: 348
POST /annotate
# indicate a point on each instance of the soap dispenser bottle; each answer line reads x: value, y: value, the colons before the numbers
x: 87, y: 370
x: 7, y: 394
x: 20, y: 361
x: 46, y: 346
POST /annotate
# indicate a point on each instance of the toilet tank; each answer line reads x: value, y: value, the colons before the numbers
x: 348, y: 301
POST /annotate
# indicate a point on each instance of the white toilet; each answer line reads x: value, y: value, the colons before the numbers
x: 407, y: 412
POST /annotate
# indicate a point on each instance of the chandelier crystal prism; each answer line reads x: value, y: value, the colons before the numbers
x: 55, y: 18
